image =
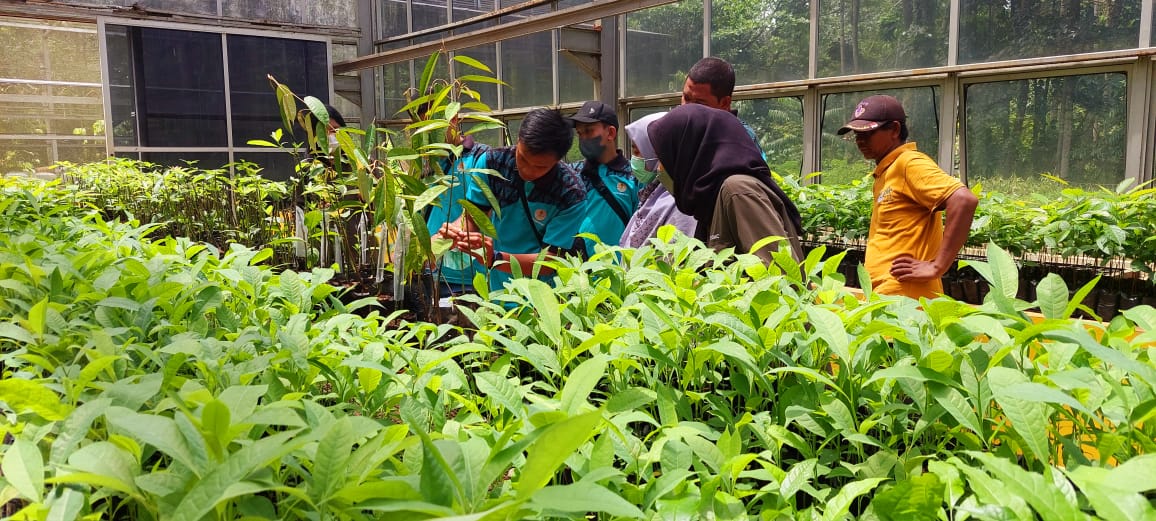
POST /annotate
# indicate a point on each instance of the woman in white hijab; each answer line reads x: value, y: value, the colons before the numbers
x: 657, y: 206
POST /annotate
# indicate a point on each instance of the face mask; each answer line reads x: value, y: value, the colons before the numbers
x: 666, y: 180
x: 333, y: 142
x: 638, y: 166
x: 592, y: 148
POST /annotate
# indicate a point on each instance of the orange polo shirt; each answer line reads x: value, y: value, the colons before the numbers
x: 907, y: 218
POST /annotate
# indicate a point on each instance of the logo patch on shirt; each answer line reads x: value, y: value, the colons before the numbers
x: 884, y: 196
x: 621, y: 187
x: 539, y: 215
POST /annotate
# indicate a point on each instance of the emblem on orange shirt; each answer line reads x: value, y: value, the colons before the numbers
x: 884, y: 196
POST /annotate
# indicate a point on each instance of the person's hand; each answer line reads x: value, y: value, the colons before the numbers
x: 476, y: 245
x: 910, y: 269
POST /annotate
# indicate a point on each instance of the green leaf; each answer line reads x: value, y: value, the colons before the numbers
x: 75, y: 429
x: 330, y: 461
x: 501, y: 391
x: 287, y: 104
x: 452, y: 109
x: 915, y: 499
x: 830, y: 328
x: 957, y: 406
x: 66, y: 504
x: 1052, y: 296
x: 461, y: 58
x: 23, y: 467
x: 317, y: 107
x: 583, y: 497
x: 206, y: 493
x: 25, y: 396
x: 479, y: 218
x: 1004, y: 274
x: 116, y: 468
x: 1028, y: 419
x: 1135, y: 475
x: 159, y: 431
x: 215, y: 425
x: 36, y: 317
x: 838, y: 506
x: 1045, y: 497
x: 480, y: 79
x: 427, y: 73
x: 546, y: 306
x: 580, y: 382
x: 630, y: 399
x: 1037, y: 392
x: 1111, y: 497
x: 552, y: 448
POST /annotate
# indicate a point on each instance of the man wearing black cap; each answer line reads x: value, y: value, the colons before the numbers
x: 909, y: 248
x: 611, y: 189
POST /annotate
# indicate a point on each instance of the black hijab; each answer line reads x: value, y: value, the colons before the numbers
x: 700, y: 147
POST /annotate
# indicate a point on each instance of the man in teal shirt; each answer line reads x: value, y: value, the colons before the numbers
x: 541, y: 199
x: 611, y: 188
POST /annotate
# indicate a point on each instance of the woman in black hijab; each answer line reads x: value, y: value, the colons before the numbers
x: 718, y: 175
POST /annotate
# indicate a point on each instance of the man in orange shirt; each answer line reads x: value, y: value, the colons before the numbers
x: 909, y: 248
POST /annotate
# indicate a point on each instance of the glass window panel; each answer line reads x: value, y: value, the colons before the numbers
x: 488, y: 55
x: 278, y: 166
x: 863, y: 36
x: 58, y: 51
x: 662, y: 43
x: 429, y: 13
x: 778, y: 124
x: 394, y: 81
x: 175, y: 86
x: 24, y: 155
x: 80, y: 151
x: 1072, y: 127
x: 841, y: 161
x: 528, y: 69
x: 30, y: 43
x: 991, y: 30
x: 465, y: 10
x: 203, y: 160
x: 393, y: 18
x: 122, y: 91
x: 330, y: 13
x: 542, y: 9
x: 300, y: 65
x: 73, y: 55
x: 765, y: 41
x: 574, y: 83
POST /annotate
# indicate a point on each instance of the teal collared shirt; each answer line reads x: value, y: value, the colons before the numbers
x: 600, y: 218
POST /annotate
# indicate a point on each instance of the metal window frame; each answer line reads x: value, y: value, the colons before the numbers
x: 231, y: 148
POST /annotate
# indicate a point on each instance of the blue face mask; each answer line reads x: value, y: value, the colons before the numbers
x: 638, y: 166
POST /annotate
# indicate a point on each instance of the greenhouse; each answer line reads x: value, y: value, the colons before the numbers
x: 343, y: 259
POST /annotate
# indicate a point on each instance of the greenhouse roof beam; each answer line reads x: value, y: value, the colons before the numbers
x: 534, y: 24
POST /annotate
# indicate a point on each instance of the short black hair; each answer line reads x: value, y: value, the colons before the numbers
x: 715, y: 72
x: 334, y: 115
x: 546, y: 130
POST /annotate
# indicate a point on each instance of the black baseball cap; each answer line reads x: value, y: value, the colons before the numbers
x: 874, y: 111
x: 596, y: 112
